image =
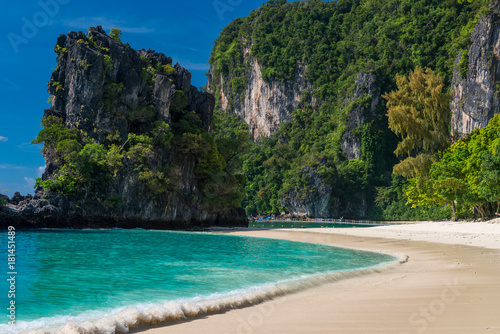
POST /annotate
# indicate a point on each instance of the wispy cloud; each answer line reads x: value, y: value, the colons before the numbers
x: 11, y: 83
x: 41, y: 170
x: 85, y: 22
x: 4, y: 139
x: 189, y: 65
x: 170, y: 45
x: 10, y: 166
x: 29, y: 147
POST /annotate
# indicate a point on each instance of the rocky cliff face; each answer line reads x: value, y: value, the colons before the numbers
x: 475, y: 96
x: 363, y: 108
x: 313, y: 205
x: 111, y: 93
x: 264, y: 104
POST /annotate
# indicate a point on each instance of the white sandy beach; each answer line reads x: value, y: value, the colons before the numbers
x: 450, y: 283
x: 478, y: 234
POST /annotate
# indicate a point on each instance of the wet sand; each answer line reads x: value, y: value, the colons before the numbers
x: 446, y: 287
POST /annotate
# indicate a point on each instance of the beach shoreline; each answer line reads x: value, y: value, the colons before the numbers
x: 448, y: 285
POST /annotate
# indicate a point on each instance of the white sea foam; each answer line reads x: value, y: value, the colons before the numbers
x: 122, y: 320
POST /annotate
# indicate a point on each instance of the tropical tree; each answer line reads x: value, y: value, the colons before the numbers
x: 418, y: 111
x: 448, y: 177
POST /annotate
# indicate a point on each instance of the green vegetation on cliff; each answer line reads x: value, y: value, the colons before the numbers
x: 135, y: 125
x: 303, y: 161
x: 87, y: 167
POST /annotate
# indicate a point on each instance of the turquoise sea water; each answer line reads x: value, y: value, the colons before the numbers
x: 98, y: 281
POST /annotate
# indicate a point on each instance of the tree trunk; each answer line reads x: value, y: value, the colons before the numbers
x: 480, y: 209
x: 454, y: 210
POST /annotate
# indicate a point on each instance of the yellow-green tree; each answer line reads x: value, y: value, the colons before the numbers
x: 419, y: 111
x: 116, y: 34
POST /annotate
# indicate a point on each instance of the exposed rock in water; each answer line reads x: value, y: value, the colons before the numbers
x: 475, y: 96
x: 109, y: 92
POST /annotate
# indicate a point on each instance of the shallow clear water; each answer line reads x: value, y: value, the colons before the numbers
x: 74, y: 275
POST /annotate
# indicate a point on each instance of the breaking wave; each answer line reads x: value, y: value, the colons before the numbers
x: 122, y: 320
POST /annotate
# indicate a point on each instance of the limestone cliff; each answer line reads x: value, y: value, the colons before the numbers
x: 313, y: 205
x: 475, y: 90
x: 263, y: 104
x: 113, y: 96
x: 364, y: 102
x: 360, y: 108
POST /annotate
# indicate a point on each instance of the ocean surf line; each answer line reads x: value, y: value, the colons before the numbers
x: 108, y: 281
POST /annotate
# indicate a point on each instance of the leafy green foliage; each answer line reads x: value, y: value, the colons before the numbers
x: 108, y: 64
x: 58, y: 86
x: 142, y: 114
x: 65, y: 181
x: 161, y: 134
x: 466, y: 176
x: 331, y: 43
x: 168, y: 69
x: 233, y: 141
x: 61, y: 50
x: 183, y: 120
x: 112, y: 91
x: 338, y: 39
x: 58, y: 140
x: 84, y: 63
x: 116, y: 34
x: 390, y: 204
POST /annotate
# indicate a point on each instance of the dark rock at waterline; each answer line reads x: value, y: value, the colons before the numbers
x: 50, y: 210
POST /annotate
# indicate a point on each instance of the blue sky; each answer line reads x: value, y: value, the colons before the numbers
x: 183, y: 30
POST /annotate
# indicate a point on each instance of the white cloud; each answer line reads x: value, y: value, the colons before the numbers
x: 29, y: 181
x: 41, y: 170
x: 107, y: 24
x: 4, y: 139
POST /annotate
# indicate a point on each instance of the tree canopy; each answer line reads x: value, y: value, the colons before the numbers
x: 419, y: 112
x: 468, y: 174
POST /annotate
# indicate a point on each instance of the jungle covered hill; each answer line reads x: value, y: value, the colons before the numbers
x: 313, y: 80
